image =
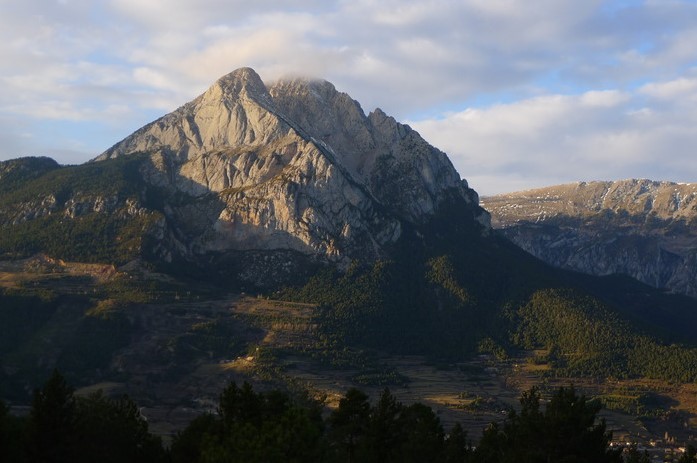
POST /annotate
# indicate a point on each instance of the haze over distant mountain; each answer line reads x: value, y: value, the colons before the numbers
x: 641, y: 228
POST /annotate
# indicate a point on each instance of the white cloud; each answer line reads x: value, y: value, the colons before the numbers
x: 605, y: 98
x: 557, y: 89
x: 561, y: 138
x: 673, y: 90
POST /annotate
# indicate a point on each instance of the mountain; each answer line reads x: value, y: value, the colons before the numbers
x: 250, y: 173
x: 641, y: 228
x: 295, y: 166
x: 358, y: 238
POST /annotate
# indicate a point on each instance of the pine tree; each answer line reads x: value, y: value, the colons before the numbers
x: 566, y: 431
x: 349, y: 425
x: 52, y: 432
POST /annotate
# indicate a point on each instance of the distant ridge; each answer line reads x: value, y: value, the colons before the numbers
x: 643, y: 228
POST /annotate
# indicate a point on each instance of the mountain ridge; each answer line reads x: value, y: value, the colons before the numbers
x: 307, y: 150
x: 643, y: 228
x: 295, y: 166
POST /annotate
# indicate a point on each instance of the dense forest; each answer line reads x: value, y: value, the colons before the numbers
x: 273, y: 426
x: 584, y: 338
x: 389, y: 306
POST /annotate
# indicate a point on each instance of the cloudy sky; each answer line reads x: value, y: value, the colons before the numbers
x: 519, y: 93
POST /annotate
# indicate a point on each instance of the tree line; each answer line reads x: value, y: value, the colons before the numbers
x: 272, y: 426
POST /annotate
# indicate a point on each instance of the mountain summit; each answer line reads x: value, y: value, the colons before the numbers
x: 235, y: 111
x: 296, y: 165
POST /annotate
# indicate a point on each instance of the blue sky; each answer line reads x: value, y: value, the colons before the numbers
x: 520, y: 94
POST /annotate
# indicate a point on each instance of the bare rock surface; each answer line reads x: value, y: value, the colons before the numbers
x: 642, y: 228
x: 296, y: 165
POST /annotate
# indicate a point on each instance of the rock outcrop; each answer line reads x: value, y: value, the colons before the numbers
x: 295, y: 166
x: 642, y: 228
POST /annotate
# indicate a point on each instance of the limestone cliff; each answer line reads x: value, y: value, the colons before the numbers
x: 296, y: 166
x: 642, y: 228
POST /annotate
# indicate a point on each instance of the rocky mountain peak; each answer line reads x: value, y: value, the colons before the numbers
x: 295, y: 165
x: 241, y: 84
x: 242, y: 78
x: 235, y: 111
x: 394, y: 163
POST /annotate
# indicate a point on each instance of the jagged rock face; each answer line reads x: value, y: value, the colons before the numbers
x: 296, y: 166
x: 395, y: 164
x: 231, y: 113
x: 642, y: 228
